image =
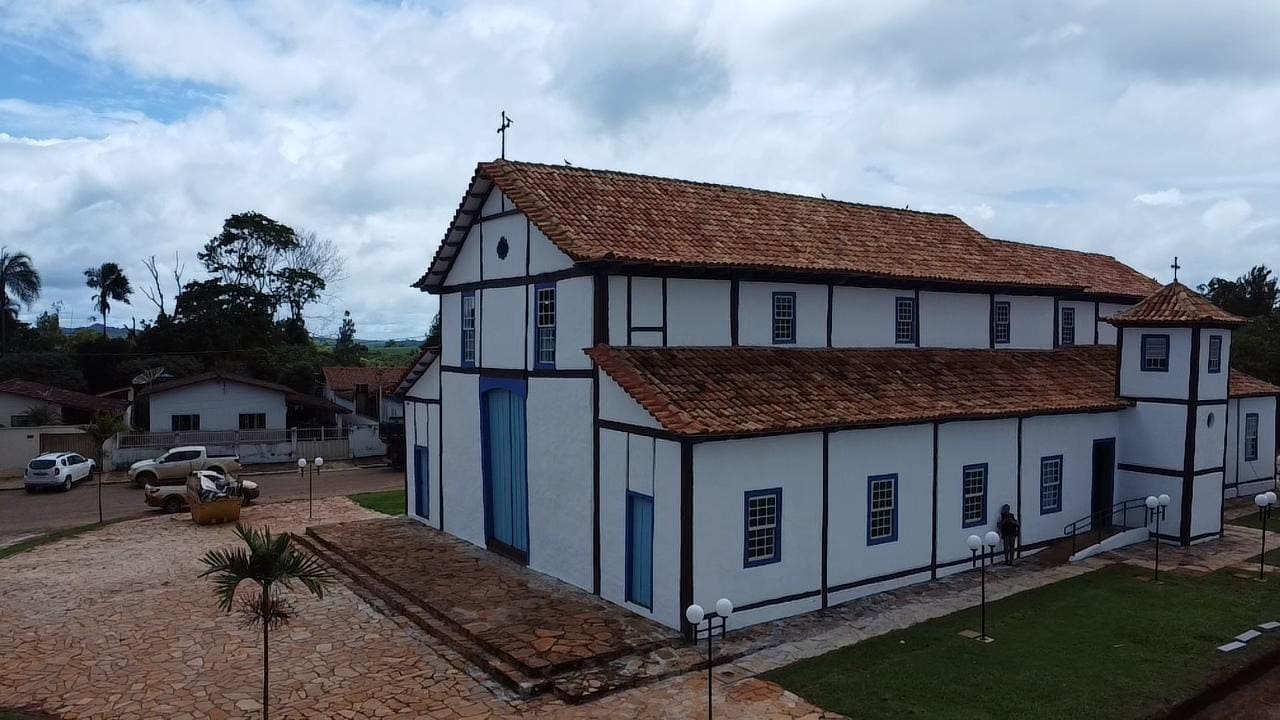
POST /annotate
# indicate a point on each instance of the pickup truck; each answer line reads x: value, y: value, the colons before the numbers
x: 180, y: 462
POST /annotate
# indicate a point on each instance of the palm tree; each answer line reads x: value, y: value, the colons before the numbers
x: 273, y: 563
x: 18, y: 280
x: 111, y: 284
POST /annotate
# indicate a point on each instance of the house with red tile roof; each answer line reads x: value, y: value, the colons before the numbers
x: 368, y: 392
x: 667, y: 392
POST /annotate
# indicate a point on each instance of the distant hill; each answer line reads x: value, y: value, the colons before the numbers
x: 371, y: 344
x: 96, y: 328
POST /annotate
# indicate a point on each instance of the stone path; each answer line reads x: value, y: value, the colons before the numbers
x: 114, y: 624
x: 534, y: 620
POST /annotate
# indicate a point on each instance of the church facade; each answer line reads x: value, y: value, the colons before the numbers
x: 667, y: 392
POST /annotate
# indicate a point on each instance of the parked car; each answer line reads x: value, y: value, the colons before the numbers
x: 180, y: 462
x: 56, y: 470
x: 171, y: 494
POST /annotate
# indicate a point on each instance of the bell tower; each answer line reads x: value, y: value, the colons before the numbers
x: 1173, y: 363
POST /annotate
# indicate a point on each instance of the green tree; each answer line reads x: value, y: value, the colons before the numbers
x: 1253, y: 294
x: 346, y: 349
x: 19, y: 282
x: 104, y: 427
x: 110, y: 282
x: 433, y: 334
x: 273, y: 564
x: 51, y: 368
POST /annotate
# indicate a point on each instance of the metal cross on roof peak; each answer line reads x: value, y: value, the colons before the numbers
x: 502, y: 130
x: 1176, y: 267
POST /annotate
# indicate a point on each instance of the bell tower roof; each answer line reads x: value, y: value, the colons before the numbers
x: 1177, y: 305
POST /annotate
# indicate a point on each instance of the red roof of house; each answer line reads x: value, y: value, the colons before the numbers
x: 291, y: 396
x: 606, y: 216
x: 1176, y: 304
x: 345, y: 379
x: 59, y: 396
x: 746, y: 391
x: 1244, y: 385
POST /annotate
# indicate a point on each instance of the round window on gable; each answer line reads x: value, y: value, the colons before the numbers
x: 503, y: 248
x: 1210, y: 420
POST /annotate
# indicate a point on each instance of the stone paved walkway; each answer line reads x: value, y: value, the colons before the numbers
x: 534, y: 620
x: 114, y: 625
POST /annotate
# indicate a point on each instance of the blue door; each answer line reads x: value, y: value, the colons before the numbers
x: 421, y: 489
x: 506, y: 485
x: 640, y: 549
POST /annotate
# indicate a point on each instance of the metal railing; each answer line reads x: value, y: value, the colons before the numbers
x: 227, y: 437
x: 1101, y: 520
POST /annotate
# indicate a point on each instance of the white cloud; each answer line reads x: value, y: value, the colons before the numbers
x: 363, y: 122
x: 1171, y: 196
x: 1226, y: 215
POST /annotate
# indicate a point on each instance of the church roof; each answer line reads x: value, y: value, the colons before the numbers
x: 700, y: 392
x: 614, y: 217
x: 1176, y: 304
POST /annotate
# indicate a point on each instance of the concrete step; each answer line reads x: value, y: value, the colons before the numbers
x: 592, y: 682
x: 1115, y: 541
x: 371, y: 589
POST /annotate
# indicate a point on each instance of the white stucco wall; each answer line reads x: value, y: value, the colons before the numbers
x: 515, y: 229
x: 1085, y: 321
x: 1213, y: 386
x: 1171, y: 384
x: 1251, y: 475
x: 1072, y: 437
x: 755, y: 313
x: 463, y: 477
x: 422, y: 428
x: 646, y: 302
x: 617, y: 405
x: 218, y: 404
x: 451, y: 328
x: 649, y: 467
x: 559, y: 427
x: 502, y: 325
x: 466, y: 265
x: 617, y: 310
x: 864, y: 317
x: 1030, y: 321
x: 1106, y: 331
x: 14, y: 405
x: 544, y: 256
x: 699, y: 312
x: 853, y: 457
x: 1153, y: 434
x: 954, y: 319
x: 723, y: 472
x: 574, y: 320
x: 993, y: 442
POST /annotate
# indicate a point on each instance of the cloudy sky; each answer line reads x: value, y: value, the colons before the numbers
x: 1144, y: 128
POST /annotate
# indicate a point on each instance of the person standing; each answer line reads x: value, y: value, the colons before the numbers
x: 1009, y: 529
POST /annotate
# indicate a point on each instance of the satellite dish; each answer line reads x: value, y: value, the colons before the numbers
x: 148, y: 376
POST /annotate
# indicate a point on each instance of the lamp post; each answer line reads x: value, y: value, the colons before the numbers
x: 1156, y: 506
x: 1264, y: 501
x: 976, y: 545
x: 311, y: 473
x: 695, y: 615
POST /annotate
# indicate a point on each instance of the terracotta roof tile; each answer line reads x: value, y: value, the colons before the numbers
x: 744, y: 391
x: 605, y: 216
x: 1245, y: 385
x: 60, y: 396
x: 345, y: 379
x: 1176, y: 304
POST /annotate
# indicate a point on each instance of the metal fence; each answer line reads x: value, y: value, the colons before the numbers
x: 228, y: 437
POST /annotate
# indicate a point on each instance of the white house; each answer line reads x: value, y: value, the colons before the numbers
x: 368, y: 392
x: 793, y: 402
x: 224, y: 401
x: 19, y: 397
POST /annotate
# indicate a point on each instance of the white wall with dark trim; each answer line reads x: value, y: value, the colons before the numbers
x: 723, y: 472
x: 954, y: 320
x: 1072, y: 437
x: 1250, y: 474
x: 864, y: 317
x: 559, y: 446
x: 219, y: 403
x: 755, y: 313
x: 699, y: 312
x: 617, y: 405
x: 451, y: 329
x: 463, y: 476
x: 650, y: 467
x: 854, y: 456
x: 501, y: 327
x: 1030, y: 321
x: 993, y: 442
x: 1134, y: 382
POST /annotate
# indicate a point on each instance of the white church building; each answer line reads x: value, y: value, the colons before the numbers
x: 667, y: 392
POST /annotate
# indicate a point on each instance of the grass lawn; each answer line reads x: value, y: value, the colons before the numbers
x: 47, y: 538
x: 388, y: 502
x: 1104, y: 644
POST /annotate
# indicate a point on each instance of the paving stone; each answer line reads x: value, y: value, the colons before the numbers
x: 1231, y: 647
x: 1269, y: 626
x: 1247, y: 635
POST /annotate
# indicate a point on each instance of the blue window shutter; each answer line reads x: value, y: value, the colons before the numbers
x: 422, y: 486
x: 640, y: 549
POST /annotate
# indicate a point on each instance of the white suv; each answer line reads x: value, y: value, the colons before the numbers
x: 56, y: 470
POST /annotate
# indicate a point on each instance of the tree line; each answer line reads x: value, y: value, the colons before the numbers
x: 1255, y: 348
x: 247, y: 315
